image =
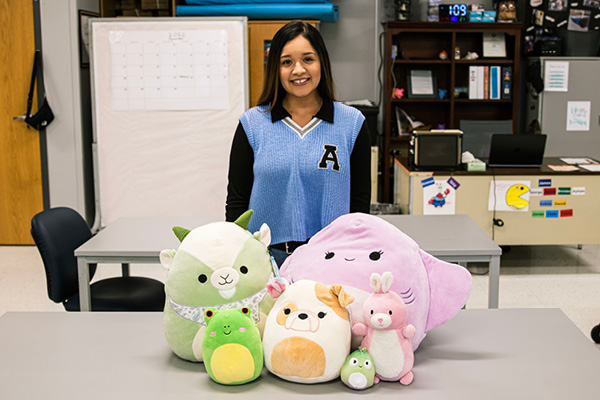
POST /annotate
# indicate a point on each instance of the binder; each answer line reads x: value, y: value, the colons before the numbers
x: 506, y: 83
x: 495, y: 83
x: 472, y: 82
x: 480, y: 78
x: 486, y: 82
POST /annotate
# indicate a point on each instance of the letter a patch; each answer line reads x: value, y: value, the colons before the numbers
x: 329, y: 155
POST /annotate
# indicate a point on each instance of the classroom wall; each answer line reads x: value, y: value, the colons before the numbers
x: 353, y: 50
x: 68, y: 138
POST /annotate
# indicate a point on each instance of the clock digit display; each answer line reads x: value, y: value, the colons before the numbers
x: 453, y: 13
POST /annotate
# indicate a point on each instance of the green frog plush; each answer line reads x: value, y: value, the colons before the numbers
x: 231, y: 346
x: 358, y: 372
x: 218, y: 265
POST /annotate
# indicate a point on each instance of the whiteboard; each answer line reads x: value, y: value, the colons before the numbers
x: 167, y: 94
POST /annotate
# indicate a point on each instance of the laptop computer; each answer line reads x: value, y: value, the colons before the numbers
x: 517, y: 151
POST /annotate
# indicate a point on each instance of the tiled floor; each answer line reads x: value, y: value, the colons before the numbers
x: 562, y: 277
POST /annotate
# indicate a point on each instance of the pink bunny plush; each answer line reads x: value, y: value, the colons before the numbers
x: 386, y: 333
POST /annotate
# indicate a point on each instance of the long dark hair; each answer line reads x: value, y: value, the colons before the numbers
x: 273, y: 91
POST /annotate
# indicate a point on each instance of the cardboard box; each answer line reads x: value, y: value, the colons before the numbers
x: 155, y: 4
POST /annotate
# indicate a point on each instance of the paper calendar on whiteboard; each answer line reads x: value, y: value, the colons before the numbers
x: 169, y: 70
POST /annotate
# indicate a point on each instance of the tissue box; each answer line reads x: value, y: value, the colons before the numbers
x: 476, y: 166
x: 488, y: 16
x: 475, y: 16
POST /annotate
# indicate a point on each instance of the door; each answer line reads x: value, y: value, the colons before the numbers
x: 20, y: 163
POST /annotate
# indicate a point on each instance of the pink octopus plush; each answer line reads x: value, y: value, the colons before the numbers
x: 386, y: 334
x: 353, y: 246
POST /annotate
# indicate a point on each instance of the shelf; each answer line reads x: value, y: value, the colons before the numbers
x: 420, y: 61
x: 419, y: 45
x: 509, y: 101
x: 420, y: 100
x: 486, y: 61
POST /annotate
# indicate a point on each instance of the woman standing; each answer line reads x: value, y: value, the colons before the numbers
x: 299, y: 159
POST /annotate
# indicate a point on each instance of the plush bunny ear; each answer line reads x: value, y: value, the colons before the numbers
x: 375, y: 282
x: 386, y: 281
x: 276, y: 286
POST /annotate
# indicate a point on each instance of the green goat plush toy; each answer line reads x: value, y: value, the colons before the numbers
x: 219, y: 265
x: 231, y: 347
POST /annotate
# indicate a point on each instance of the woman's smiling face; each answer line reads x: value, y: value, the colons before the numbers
x: 300, y: 68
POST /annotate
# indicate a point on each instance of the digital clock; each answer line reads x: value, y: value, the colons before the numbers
x: 453, y: 13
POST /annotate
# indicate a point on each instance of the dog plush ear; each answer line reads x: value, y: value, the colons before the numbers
x: 343, y: 298
x: 276, y: 286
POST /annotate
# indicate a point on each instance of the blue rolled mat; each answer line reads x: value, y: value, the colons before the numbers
x: 325, y: 12
x: 216, y: 2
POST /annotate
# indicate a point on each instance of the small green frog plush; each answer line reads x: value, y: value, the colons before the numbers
x: 358, y: 371
x: 231, y: 347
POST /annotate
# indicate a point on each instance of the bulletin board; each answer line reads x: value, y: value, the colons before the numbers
x: 167, y: 94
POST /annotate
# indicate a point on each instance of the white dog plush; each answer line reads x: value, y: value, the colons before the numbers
x: 307, y: 334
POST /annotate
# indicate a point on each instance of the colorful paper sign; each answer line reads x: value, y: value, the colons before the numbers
x: 578, y: 191
x: 566, y: 213
x: 551, y: 213
x: 537, y: 213
x: 427, y: 182
x: 560, y: 203
x: 545, y: 203
x: 536, y: 192
x: 564, y: 191
x: 509, y: 196
x: 439, y: 198
x: 549, y: 191
x: 452, y: 182
x: 545, y: 183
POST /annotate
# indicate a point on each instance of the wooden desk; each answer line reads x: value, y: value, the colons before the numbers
x: 520, y: 228
x: 480, y: 354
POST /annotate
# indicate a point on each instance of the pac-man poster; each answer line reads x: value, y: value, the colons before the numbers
x: 509, y: 196
x: 439, y: 198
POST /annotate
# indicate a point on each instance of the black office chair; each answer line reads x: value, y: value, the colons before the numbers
x: 596, y: 334
x: 57, y: 232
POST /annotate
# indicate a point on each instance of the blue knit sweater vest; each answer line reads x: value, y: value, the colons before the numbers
x: 301, y: 183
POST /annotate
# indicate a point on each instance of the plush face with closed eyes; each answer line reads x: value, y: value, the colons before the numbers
x: 356, y: 245
x: 307, y: 333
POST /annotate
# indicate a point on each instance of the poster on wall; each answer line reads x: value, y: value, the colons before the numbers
x: 509, y: 196
x: 439, y: 199
x: 556, y: 76
x: 578, y: 115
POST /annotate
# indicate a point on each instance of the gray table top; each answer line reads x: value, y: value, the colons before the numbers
x: 138, y: 236
x: 445, y: 234
x: 145, y: 237
x: 480, y: 354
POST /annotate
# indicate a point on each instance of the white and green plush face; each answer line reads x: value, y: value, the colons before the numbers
x: 358, y: 371
x: 217, y: 263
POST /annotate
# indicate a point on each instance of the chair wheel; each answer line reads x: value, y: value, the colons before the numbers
x: 596, y: 333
